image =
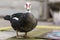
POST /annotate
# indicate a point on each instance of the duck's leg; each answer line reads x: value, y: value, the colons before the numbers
x: 25, y: 36
x: 17, y: 36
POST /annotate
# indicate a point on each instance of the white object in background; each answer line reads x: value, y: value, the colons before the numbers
x: 56, y: 18
x: 55, y: 34
x: 59, y: 16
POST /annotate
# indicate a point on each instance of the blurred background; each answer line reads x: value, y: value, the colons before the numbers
x: 41, y: 9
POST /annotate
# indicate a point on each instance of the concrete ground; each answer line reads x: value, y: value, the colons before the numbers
x: 34, y: 34
x: 37, y: 32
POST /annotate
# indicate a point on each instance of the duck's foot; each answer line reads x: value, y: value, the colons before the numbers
x: 26, y: 36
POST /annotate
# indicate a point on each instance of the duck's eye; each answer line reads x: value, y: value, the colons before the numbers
x: 15, y: 18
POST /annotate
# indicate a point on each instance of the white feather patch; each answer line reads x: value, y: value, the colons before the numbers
x: 15, y: 18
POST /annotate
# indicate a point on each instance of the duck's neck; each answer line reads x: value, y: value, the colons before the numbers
x: 28, y: 11
x: 28, y: 6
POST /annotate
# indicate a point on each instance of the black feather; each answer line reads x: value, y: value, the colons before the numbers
x: 7, y: 17
x: 26, y: 22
